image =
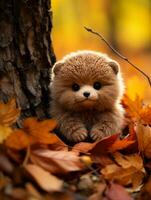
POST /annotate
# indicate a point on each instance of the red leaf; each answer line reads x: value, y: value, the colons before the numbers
x: 117, y: 192
x: 102, y: 146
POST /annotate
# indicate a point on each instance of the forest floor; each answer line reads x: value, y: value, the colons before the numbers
x: 35, y: 164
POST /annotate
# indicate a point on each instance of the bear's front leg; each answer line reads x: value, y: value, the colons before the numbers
x: 72, y: 128
x: 108, y: 124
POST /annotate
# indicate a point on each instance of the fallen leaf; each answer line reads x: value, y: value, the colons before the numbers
x: 126, y: 170
x: 83, y: 147
x: 4, y: 132
x: 133, y: 107
x: 110, y: 144
x: 132, y: 148
x: 99, y: 194
x: 45, y: 180
x: 125, y: 161
x: 117, y: 192
x: 18, y: 193
x: 102, y: 146
x: 33, y: 191
x: 145, y: 192
x: 145, y: 114
x: 136, y: 110
x: 33, y: 132
x: 120, y: 144
x: 17, y: 140
x: 144, y: 139
x: 59, y: 161
x: 39, y: 131
x: 125, y: 143
x: 5, y: 164
x: 9, y: 113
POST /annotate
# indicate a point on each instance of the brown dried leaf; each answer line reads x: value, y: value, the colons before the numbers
x: 128, y: 171
x: 133, y: 160
x: 45, y: 180
x: 144, y: 139
x: 33, y: 191
x: 59, y: 161
x: 145, y: 193
x: 99, y: 194
x: 83, y: 147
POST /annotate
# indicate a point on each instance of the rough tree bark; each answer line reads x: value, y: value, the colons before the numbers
x: 26, y: 54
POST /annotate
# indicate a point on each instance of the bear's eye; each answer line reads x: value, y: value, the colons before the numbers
x: 97, y: 85
x: 75, y: 87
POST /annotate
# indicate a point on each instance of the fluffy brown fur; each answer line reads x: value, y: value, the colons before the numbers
x: 96, y: 116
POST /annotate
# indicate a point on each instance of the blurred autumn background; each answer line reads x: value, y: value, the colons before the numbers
x: 125, y: 24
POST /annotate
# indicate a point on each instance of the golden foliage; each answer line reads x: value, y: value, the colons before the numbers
x: 8, y: 115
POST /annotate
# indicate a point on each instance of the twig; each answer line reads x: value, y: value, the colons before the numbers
x: 118, y: 54
x: 26, y: 156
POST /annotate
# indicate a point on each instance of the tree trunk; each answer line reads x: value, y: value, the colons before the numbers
x: 26, y: 55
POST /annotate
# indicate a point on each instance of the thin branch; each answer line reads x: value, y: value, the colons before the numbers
x: 118, y: 54
x: 26, y: 156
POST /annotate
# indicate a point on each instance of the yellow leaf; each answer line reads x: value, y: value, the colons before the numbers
x: 9, y: 113
x: 4, y: 132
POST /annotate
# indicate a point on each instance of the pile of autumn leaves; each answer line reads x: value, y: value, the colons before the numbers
x: 113, y: 168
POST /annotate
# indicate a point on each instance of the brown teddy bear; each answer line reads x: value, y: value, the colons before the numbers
x: 86, y: 91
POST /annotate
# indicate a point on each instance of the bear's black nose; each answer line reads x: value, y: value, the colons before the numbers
x: 86, y: 94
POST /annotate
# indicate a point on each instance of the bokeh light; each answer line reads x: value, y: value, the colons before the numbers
x: 125, y: 24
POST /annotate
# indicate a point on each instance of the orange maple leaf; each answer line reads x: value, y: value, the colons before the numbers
x: 129, y: 142
x: 145, y: 114
x: 18, y: 139
x: 136, y: 110
x: 39, y: 131
x: 33, y: 132
x: 133, y: 107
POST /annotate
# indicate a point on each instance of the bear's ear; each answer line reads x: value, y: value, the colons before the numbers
x: 56, y: 68
x: 115, y: 66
